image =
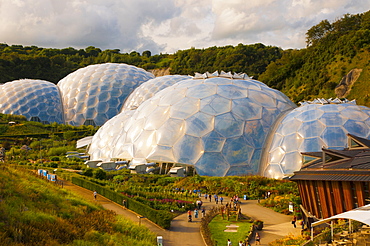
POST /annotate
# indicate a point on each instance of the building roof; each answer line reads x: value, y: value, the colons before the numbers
x: 351, y: 164
x: 359, y: 214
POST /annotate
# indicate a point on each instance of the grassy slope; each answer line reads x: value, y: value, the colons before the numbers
x: 35, y: 212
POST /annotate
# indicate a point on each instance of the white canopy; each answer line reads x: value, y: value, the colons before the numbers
x: 84, y: 142
x: 361, y: 214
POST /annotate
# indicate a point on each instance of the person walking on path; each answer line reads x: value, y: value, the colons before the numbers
x: 221, y: 199
x: 229, y: 242
x: 203, y: 212
x: 294, y: 220
x: 189, y: 216
x: 257, y: 238
x: 196, y: 213
x: 95, y: 194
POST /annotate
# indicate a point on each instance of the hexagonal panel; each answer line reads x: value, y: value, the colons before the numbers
x: 247, y: 109
x: 212, y: 164
x: 99, y: 83
x: 228, y: 125
x: 32, y: 99
x: 199, y: 124
x: 215, y: 105
x: 188, y: 149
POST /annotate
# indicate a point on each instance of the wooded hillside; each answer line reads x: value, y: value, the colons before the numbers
x: 333, y: 50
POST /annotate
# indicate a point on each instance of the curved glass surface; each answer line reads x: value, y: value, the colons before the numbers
x: 149, y: 88
x: 309, y: 128
x: 101, y: 89
x: 215, y: 124
x: 37, y: 100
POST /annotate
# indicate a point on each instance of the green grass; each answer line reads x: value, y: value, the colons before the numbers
x: 36, y: 212
x: 218, y: 225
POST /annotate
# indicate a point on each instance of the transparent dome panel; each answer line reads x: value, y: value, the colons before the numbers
x: 170, y: 132
x: 102, y: 107
x: 199, y: 124
x: 291, y: 162
x: 92, y: 102
x: 144, y: 143
x: 146, y: 109
x: 274, y: 171
x: 135, y: 130
x: 218, y: 81
x: 236, y: 151
x: 228, y: 125
x: 311, y: 129
x: 262, y: 98
x: 291, y: 142
x: 330, y: 108
x: 185, y: 108
x: 126, y: 152
x: 79, y: 118
x: 232, y: 91
x: 247, y: 84
x: 254, y: 133
x: 213, y: 142
x: 312, y: 145
x: 246, y: 109
x: 310, y: 115
x: 34, y: 112
x: 353, y: 112
x: 333, y: 119
x: 334, y: 137
x: 255, y: 160
x: 290, y: 127
x: 239, y: 170
x: 162, y: 153
x: 269, y: 116
x: 104, y: 96
x: 157, y: 118
x: 188, y: 150
x: 90, y: 113
x: 357, y: 128
x: 201, y: 91
x: 276, y: 141
x: 212, y: 164
x: 215, y: 105
x: 276, y: 155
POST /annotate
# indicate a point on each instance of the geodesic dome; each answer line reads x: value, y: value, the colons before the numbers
x: 147, y: 89
x: 37, y: 100
x: 94, y: 94
x: 216, y: 124
x: 106, y: 139
x: 309, y: 128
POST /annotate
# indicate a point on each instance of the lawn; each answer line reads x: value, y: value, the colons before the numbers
x: 218, y: 225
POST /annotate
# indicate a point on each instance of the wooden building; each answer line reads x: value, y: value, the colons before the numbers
x: 335, y: 181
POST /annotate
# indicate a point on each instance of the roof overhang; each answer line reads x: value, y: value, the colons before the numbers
x: 361, y: 214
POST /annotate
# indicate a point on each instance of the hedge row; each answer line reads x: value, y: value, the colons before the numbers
x: 161, y: 218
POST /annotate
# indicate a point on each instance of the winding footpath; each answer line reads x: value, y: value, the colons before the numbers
x: 183, y: 233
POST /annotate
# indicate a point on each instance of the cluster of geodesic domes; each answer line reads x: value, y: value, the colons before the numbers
x: 220, y: 123
x: 90, y: 95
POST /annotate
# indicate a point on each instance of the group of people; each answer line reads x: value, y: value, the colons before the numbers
x: 241, y: 243
x: 196, y: 214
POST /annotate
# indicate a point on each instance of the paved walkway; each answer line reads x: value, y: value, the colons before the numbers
x: 275, y: 225
x: 184, y: 233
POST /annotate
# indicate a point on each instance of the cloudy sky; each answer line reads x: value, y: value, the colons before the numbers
x: 166, y: 25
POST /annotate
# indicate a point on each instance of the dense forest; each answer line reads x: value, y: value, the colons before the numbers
x: 333, y: 50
